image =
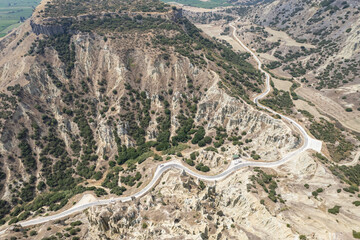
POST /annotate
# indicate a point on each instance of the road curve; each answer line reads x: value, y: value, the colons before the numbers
x: 267, y: 91
x: 234, y: 166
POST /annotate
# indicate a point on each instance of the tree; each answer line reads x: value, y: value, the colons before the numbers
x: 199, y: 135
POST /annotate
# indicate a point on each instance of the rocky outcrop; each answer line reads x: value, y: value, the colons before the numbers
x: 49, y: 30
x: 51, y: 26
x: 217, y: 212
x: 270, y: 137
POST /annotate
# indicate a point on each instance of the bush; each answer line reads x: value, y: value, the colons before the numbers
x: 356, y: 234
x: 335, y: 210
x: 199, y: 135
x: 27, y: 193
x: 201, y: 143
x: 73, y: 231
x: 158, y: 157
x: 190, y: 162
x: 41, y: 186
x: 76, y: 223
x: 201, y: 167
x: 4, y: 208
x: 207, y: 140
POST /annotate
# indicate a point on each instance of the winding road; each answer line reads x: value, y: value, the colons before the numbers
x: 309, y: 143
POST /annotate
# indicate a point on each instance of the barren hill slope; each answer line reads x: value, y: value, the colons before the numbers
x: 96, y: 94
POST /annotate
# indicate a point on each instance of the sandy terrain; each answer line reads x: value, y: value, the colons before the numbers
x: 214, y: 30
x: 282, y: 84
x: 284, y: 37
x: 87, y: 198
x: 280, y: 73
x: 267, y: 57
x: 350, y: 120
x: 303, y: 105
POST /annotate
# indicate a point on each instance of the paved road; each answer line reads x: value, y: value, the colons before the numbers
x: 235, y: 165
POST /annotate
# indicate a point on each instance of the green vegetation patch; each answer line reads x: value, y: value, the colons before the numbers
x: 279, y: 101
x: 267, y: 182
x: 335, y: 210
x: 59, y: 8
x: 338, y: 146
x: 13, y: 12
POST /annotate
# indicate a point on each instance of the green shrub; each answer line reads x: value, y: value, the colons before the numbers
x: 201, y: 167
x: 199, y: 135
x: 335, y: 210
x: 190, y: 162
x: 76, y: 223
x: 356, y: 234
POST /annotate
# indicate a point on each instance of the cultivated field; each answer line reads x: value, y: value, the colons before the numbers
x: 11, y: 11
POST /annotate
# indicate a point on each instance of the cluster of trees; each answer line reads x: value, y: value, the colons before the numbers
x: 268, y: 183
x: 202, y: 167
x: 111, y: 181
x: 338, y: 146
x: 280, y: 101
x: 185, y: 130
x: 5, y: 208
x: 27, y: 155
x: 66, y: 52
x: 164, y: 125
x: 131, y: 180
x: 274, y: 64
x: 122, y: 23
x: 60, y: 8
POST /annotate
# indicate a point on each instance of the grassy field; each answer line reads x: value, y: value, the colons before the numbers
x: 202, y: 4
x: 12, y: 10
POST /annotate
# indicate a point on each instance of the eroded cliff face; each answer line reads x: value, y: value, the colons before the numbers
x: 181, y: 207
x: 270, y: 137
x: 50, y: 26
x: 216, y: 212
x: 110, y: 60
x: 229, y: 210
x: 98, y: 109
x: 47, y: 29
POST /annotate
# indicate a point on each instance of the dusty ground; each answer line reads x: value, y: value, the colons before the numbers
x: 282, y: 84
x: 350, y: 120
x: 214, y: 30
x: 285, y: 38
x: 303, y: 105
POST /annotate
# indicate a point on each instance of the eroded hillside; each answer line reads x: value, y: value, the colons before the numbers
x: 94, y: 102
